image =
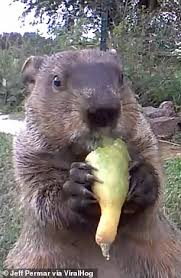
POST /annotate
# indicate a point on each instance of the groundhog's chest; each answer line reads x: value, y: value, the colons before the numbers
x: 126, y: 260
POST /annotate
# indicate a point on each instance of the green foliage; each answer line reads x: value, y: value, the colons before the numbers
x: 64, y: 13
x: 10, y: 89
x: 14, y: 49
x: 148, y: 47
x: 75, y: 37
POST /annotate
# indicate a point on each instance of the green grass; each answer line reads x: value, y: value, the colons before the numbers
x: 173, y: 190
x: 10, y: 221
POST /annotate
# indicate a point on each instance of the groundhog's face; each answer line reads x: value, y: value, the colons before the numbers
x: 75, y: 95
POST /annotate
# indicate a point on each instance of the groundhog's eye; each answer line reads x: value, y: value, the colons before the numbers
x: 56, y: 81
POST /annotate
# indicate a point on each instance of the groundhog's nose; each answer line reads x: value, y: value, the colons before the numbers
x: 103, y: 117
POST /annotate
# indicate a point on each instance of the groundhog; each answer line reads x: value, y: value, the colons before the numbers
x: 76, y: 97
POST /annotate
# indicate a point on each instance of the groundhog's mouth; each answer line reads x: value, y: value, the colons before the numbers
x: 86, y: 142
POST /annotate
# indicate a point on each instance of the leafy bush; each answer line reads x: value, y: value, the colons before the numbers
x: 147, y: 47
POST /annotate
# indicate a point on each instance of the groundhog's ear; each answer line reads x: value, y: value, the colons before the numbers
x: 117, y: 56
x: 29, y: 71
x: 113, y: 51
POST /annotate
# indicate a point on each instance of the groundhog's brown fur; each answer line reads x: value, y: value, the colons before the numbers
x: 55, y: 136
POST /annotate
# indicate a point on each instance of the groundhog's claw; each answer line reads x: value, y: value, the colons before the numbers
x: 77, y: 191
x: 82, y: 173
x: 143, y: 189
x: 82, y: 165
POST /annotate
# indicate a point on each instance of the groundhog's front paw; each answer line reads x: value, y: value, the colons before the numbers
x: 143, y: 189
x: 77, y: 192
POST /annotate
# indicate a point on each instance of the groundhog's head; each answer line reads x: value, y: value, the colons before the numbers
x: 75, y: 95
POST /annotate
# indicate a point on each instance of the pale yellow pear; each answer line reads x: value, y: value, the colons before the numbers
x: 111, y: 161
